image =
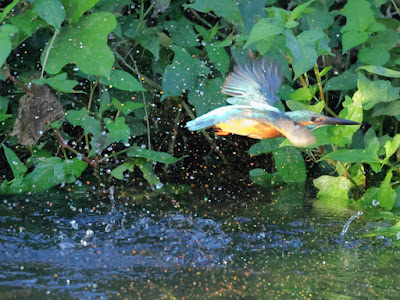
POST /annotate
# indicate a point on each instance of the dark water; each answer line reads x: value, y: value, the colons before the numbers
x: 188, y: 246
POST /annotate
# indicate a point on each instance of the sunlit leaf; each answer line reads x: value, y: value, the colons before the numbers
x: 386, y: 194
x: 376, y: 91
x: 333, y: 191
x: 381, y: 71
x: 295, y: 105
x: 265, y: 28
x: 296, y: 13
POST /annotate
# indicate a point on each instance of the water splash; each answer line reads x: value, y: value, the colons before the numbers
x: 347, y: 224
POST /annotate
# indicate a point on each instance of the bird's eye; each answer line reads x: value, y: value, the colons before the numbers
x: 313, y: 119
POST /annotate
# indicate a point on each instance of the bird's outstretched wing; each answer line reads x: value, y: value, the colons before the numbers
x: 253, y: 84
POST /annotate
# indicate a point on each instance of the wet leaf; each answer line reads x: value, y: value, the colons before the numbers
x: 118, y: 172
x: 118, y: 131
x: 343, y: 82
x: 290, y: 164
x: 386, y: 194
x: 84, y: 44
x: 146, y: 167
x: 123, y: 81
x: 162, y: 157
x: 219, y: 58
x: 207, y: 95
x: 182, y: 74
x: 52, y: 11
x: 58, y: 82
x: 264, y: 29
x: 35, y: 113
x: 126, y: 107
x: 18, y: 169
x: 76, y: 8
x: 182, y: 33
x: 6, y: 32
x: 222, y: 8
x: 81, y: 118
x: 333, y: 191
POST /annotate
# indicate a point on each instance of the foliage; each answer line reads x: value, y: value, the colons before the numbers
x: 119, y: 65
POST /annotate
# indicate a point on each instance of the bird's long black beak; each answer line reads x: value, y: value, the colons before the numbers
x: 336, y: 121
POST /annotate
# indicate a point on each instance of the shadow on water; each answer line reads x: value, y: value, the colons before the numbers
x: 69, y: 245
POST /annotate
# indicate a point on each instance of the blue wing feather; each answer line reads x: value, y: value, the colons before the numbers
x: 258, y: 83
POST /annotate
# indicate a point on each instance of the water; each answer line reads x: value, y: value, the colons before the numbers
x: 165, y: 246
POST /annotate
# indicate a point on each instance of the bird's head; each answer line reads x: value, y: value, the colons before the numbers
x: 314, y: 120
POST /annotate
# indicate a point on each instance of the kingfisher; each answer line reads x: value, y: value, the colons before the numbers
x: 252, y: 113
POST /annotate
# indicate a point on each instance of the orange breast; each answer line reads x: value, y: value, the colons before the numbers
x: 248, y: 127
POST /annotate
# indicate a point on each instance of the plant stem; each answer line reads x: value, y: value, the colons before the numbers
x: 64, y: 145
x: 8, y: 8
x: 47, y: 53
x: 13, y: 79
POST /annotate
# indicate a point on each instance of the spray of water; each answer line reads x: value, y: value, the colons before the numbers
x: 347, y: 224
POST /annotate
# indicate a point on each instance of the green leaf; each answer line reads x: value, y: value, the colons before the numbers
x: 374, y: 55
x: 4, y: 104
x: 28, y: 23
x: 263, y: 178
x: 387, y: 109
x: 81, y: 118
x: 118, y: 172
x: 303, y: 94
x: 374, y: 92
x: 219, y: 58
x: 148, y: 38
x: 290, y: 164
x: 76, y: 8
x: 118, y: 131
x: 295, y: 105
x: 352, y: 110
x: 333, y: 191
x: 84, y: 44
x: 343, y: 82
x: 182, y: 74
x: 6, y: 31
x: 58, y: 82
x: 126, y: 107
x: 14, y: 162
x: 368, y: 155
x: 360, y: 22
x: 386, y: 194
x: 392, y: 146
x: 52, y: 11
x: 123, y: 81
x: 324, y: 71
x: 296, y: 13
x: 161, y: 157
x: 251, y: 12
x: 264, y: 29
x: 381, y: 71
x: 265, y: 146
x: 207, y: 95
x: 4, y: 116
x: 104, y: 103
x: 146, y: 167
x: 305, y: 49
x: 182, y: 33
x: 222, y: 8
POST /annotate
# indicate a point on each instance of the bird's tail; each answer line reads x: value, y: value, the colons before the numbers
x: 207, y: 120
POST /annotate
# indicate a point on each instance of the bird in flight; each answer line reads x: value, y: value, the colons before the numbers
x: 252, y: 113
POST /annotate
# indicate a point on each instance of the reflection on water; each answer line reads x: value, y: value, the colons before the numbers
x: 187, y: 246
